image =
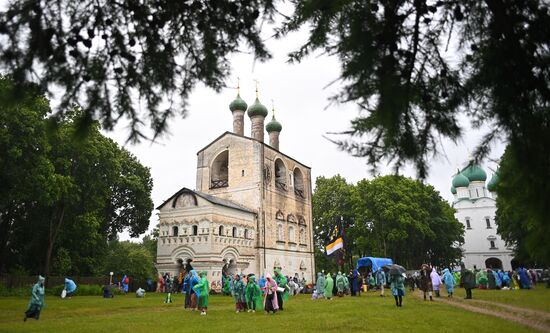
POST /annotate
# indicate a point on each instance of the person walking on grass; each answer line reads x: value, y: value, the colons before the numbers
x: 253, y: 294
x: 436, y: 282
x: 340, y: 284
x: 467, y: 280
x: 271, y: 303
x: 320, y: 285
x: 381, y: 280
x: 449, y: 281
x: 329, y: 286
x: 426, y: 281
x: 239, y: 293
x: 202, y: 289
x: 397, y: 285
x: 36, y: 304
x: 282, y: 296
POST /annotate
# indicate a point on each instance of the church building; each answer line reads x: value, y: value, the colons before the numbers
x: 251, y: 204
x: 475, y: 206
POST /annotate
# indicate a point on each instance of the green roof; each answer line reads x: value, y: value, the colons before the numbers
x: 257, y: 109
x: 273, y: 126
x: 460, y: 181
x: 474, y: 173
x: 492, y: 186
x: 238, y: 104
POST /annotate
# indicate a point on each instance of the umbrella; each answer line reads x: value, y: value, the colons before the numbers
x: 395, y: 269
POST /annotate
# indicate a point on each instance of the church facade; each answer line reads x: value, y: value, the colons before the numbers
x: 251, y: 204
x: 475, y: 206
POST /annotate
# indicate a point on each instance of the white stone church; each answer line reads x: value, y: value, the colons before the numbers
x: 252, y: 204
x: 476, y: 209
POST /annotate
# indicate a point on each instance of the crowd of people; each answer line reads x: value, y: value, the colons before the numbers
x: 271, y: 292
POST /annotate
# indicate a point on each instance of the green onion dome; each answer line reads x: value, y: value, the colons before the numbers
x: 238, y: 104
x: 460, y: 181
x: 257, y: 109
x: 453, y: 190
x: 273, y: 126
x: 474, y: 173
x: 492, y: 186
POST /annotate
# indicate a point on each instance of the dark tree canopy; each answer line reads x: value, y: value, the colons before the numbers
x: 411, y: 94
x: 110, y: 57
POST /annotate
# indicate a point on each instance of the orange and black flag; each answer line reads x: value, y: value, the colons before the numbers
x: 336, y: 244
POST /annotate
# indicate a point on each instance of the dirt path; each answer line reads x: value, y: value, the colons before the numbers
x: 535, y: 319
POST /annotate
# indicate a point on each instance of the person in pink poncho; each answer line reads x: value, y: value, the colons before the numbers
x: 270, y: 294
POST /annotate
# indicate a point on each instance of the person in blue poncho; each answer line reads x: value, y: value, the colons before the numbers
x: 355, y: 283
x: 525, y: 282
x: 381, y: 280
x: 70, y: 287
x: 125, y: 282
x: 191, y: 295
x: 449, y: 282
x: 36, y: 304
x: 505, y: 279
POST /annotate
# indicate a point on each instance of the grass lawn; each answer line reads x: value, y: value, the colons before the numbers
x: 129, y: 314
x: 537, y: 298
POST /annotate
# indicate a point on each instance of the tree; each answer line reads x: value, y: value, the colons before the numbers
x: 111, y: 56
x: 331, y: 200
x: 25, y: 169
x: 132, y: 259
x: 395, y: 68
x: 65, y: 194
x: 407, y: 221
x: 520, y: 221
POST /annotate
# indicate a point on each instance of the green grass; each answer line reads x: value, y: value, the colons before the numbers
x: 129, y: 314
x: 537, y: 298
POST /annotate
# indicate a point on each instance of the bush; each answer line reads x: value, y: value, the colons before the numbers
x: 20, y: 292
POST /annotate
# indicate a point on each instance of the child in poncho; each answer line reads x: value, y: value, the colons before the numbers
x: 253, y: 294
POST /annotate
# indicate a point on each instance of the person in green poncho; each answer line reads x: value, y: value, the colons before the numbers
x: 36, y: 303
x: 253, y: 295
x: 227, y: 285
x: 239, y: 293
x: 397, y: 285
x: 202, y: 288
x: 340, y: 284
x: 329, y: 285
x: 481, y: 279
x: 320, y: 286
x: 281, y: 283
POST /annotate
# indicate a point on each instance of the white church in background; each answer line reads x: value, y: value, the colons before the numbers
x: 475, y: 206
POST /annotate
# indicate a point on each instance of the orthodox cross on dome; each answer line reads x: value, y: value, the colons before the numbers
x: 273, y: 107
x: 238, y: 85
x: 257, y: 83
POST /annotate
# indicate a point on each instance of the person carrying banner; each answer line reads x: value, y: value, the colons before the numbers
x: 282, y: 295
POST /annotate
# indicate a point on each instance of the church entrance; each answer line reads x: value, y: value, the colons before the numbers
x: 493, y: 263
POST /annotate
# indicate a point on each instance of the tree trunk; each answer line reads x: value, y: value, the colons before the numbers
x: 54, y: 232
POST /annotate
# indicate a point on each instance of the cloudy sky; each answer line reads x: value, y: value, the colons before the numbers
x: 300, y: 97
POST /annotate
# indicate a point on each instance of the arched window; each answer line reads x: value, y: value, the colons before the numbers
x: 219, y: 172
x: 280, y: 175
x: 488, y: 222
x: 246, y: 233
x: 220, y: 230
x: 302, y: 236
x: 291, y: 235
x: 174, y: 231
x: 492, y: 244
x: 280, y: 233
x: 234, y: 232
x: 195, y: 230
x: 299, y: 183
